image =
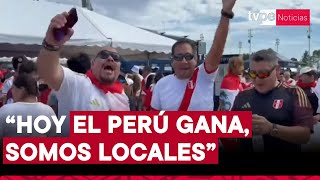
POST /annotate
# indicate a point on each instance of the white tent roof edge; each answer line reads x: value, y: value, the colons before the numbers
x: 34, y: 59
x: 93, y: 30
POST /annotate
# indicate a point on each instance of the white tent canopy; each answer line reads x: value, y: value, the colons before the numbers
x: 9, y: 59
x: 24, y: 23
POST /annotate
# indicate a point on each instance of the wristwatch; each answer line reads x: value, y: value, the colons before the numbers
x: 274, y: 130
x: 227, y: 14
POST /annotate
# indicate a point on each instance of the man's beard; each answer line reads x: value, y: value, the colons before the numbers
x: 108, y: 81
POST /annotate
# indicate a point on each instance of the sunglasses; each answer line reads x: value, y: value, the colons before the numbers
x: 106, y: 54
x: 261, y: 75
x: 179, y: 57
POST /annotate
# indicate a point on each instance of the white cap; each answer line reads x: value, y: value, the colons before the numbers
x: 128, y: 80
x: 306, y: 70
x: 135, y: 69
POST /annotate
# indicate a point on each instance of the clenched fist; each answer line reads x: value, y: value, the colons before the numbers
x: 227, y: 5
x: 57, y: 22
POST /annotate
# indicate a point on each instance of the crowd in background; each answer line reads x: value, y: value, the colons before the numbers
x: 22, y: 85
x: 138, y: 84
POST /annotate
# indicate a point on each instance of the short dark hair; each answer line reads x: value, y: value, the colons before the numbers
x: 18, y: 60
x: 80, y: 63
x: 28, y: 82
x: 27, y: 67
x: 184, y: 41
x: 158, y: 76
x: 265, y: 55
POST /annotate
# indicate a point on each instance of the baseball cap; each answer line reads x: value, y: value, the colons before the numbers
x: 306, y: 70
x: 128, y: 80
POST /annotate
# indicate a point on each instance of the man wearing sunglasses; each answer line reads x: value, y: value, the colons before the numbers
x: 191, y: 88
x: 282, y: 117
x: 98, y: 89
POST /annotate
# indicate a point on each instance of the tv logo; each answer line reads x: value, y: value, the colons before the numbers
x: 281, y: 17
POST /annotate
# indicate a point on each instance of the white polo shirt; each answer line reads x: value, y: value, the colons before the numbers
x: 169, y: 91
x: 77, y: 93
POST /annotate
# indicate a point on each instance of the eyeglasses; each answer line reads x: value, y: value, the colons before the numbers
x: 106, y: 54
x: 179, y: 57
x: 261, y: 75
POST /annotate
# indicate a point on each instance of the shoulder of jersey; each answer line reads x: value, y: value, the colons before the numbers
x: 295, y: 90
x: 165, y: 79
x: 290, y: 88
x: 80, y: 74
x: 246, y: 92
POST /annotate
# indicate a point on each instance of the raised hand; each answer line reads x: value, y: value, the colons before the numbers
x: 57, y: 22
x: 227, y: 5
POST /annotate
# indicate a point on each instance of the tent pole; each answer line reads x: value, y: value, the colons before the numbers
x: 148, y: 59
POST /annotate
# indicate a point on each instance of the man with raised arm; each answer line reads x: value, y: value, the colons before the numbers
x: 190, y: 87
x: 98, y: 89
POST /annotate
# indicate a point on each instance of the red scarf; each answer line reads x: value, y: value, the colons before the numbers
x: 306, y: 85
x: 113, y: 88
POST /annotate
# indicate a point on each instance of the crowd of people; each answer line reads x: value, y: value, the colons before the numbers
x: 285, y: 111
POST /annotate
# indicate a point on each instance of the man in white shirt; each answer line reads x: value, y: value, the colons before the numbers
x: 98, y: 89
x: 191, y: 88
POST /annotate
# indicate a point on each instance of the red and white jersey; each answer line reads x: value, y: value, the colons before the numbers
x: 168, y: 93
x: 230, y: 87
x: 78, y: 93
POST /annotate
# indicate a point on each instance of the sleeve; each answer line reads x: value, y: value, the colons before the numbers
x: 228, y: 93
x: 155, y: 100
x: 68, y: 85
x: 210, y: 76
x: 302, y: 112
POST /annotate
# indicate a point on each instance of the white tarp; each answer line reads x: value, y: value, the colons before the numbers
x: 9, y: 59
x: 26, y: 21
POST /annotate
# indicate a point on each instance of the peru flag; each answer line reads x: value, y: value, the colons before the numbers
x: 230, y: 88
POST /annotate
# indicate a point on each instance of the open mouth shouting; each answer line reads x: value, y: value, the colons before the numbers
x: 108, y: 69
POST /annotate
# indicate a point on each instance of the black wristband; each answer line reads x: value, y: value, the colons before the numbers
x: 226, y: 14
x: 49, y: 47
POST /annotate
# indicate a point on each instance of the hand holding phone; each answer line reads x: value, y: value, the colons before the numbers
x: 72, y: 19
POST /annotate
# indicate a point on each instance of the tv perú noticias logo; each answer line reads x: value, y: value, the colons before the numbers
x: 281, y: 17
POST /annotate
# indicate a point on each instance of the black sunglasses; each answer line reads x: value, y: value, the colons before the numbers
x: 106, y: 54
x: 261, y: 75
x: 179, y: 57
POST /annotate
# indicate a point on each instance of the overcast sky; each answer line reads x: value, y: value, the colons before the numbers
x: 193, y: 17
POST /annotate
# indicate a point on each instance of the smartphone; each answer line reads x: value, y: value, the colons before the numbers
x: 72, y: 19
